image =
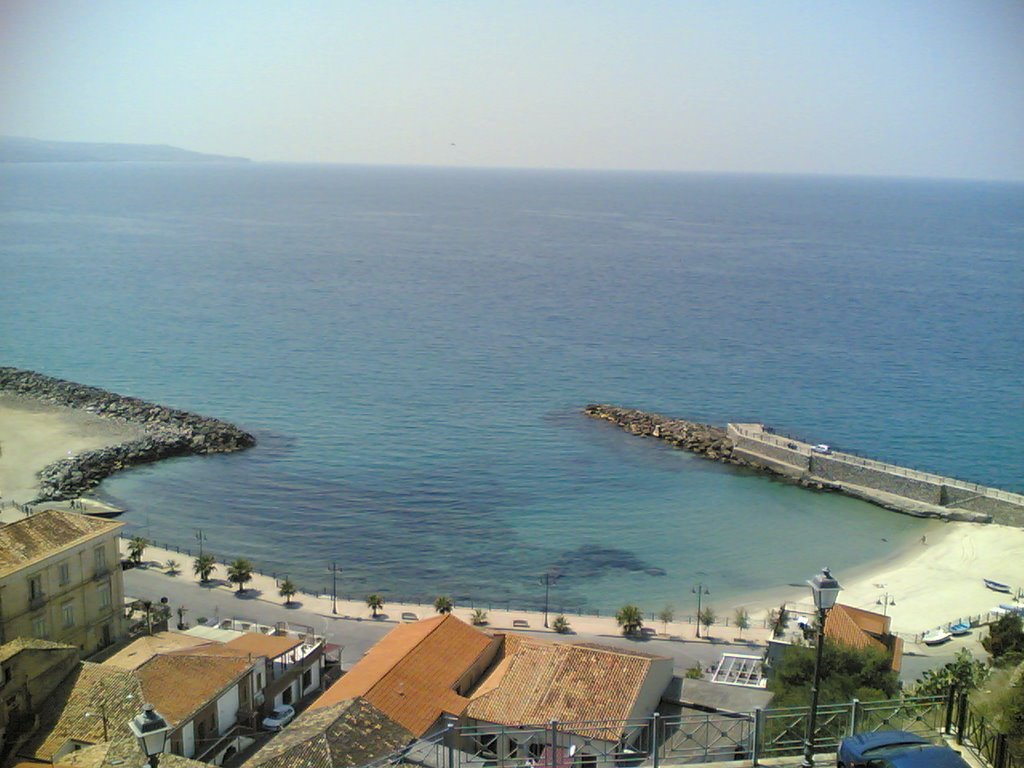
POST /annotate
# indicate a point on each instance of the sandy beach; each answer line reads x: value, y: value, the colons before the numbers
x: 34, y: 434
x: 931, y: 583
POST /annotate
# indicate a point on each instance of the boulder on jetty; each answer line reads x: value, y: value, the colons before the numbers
x: 705, y: 439
x: 168, y: 432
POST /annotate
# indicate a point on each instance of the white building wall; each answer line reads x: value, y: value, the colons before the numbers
x: 227, y: 710
x: 188, y: 739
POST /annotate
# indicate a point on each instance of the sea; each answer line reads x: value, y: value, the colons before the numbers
x: 413, y: 347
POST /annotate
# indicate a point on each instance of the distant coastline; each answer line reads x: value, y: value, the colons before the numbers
x: 15, y: 149
x: 163, y: 432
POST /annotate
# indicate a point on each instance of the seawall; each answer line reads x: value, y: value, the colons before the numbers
x: 167, y: 432
x: 888, y: 485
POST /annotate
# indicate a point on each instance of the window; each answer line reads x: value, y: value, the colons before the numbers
x: 68, y: 611
x: 39, y: 627
x: 35, y: 587
x: 104, y: 593
x: 100, y: 558
x: 307, y: 679
x: 286, y: 695
x: 65, y: 573
x: 8, y: 675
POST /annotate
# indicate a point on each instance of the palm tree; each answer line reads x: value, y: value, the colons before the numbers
x: 444, y: 604
x: 136, y: 546
x: 240, y: 573
x: 204, y: 566
x: 742, y: 620
x: 707, y: 617
x: 286, y: 590
x: 479, y: 617
x: 778, y: 620
x: 374, y: 602
x: 560, y: 624
x: 630, y: 618
x: 173, y: 567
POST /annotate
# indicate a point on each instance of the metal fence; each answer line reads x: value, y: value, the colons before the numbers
x: 691, y: 738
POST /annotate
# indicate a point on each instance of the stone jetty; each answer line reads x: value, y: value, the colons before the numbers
x: 757, y: 447
x: 166, y: 432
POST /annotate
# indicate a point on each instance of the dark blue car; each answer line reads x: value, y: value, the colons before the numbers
x: 895, y: 749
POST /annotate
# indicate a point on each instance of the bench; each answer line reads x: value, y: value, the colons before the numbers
x: 520, y: 623
x: 407, y: 616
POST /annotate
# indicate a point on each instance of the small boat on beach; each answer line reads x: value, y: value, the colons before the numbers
x: 959, y: 629
x: 996, y: 586
x: 935, y: 637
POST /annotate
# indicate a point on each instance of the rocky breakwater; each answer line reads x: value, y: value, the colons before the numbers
x: 166, y: 432
x: 704, y: 439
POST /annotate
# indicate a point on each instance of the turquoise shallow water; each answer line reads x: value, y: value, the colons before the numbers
x: 412, y: 348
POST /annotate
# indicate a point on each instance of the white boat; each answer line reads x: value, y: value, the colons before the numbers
x: 960, y: 628
x: 935, y: 637
x: 997, y: 586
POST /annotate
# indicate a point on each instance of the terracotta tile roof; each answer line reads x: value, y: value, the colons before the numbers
x: 144, y: 648
x: 45, y: 533
x: 350, y: 733
x: 847, y: 625
x: 869, y: 621
x: 11, y: 649
x: 270, y: 646
x: 539, y: 681
x: 119, y: 753
x: 410, y: 675
x: 178, y: 685
x: 76, y: 708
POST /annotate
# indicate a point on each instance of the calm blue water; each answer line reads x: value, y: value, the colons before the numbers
x: 412, y: 348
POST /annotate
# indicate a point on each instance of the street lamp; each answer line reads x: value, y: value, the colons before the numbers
x: 151, y: 730
x: 700, y: 590
x: 885, y: 601
x: 549, y: 579
x: 334, y: 590
x: 825, y: 590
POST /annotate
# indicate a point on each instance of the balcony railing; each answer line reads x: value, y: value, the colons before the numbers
x: 697, y: 737
x: 36, y: 601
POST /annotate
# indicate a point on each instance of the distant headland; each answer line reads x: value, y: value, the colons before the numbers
x: 819, y: 467
x: 155, y: 432
x: 15, y: 149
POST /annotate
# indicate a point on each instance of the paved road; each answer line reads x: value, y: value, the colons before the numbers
x: 356, y: 636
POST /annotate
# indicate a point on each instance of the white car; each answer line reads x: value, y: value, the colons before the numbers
x: 279, y: 718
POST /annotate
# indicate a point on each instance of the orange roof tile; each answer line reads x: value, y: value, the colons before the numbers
x: 845, y: 624
x: 869, y: 621
x: 410, y: 675
x: 540, y: 681
x: 259, y: 644
x: 178, y: 685
x: 141, y: 650
x: 45, y: 533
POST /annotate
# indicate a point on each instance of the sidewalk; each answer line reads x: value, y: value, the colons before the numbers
x: 500, y: 619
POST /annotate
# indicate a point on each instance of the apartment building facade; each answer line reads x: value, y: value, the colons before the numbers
x: 60, y: 580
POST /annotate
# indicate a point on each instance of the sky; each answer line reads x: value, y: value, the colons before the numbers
x: 873, y: 87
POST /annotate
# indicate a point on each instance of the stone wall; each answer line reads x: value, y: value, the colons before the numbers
x: 168, y: 432
x: 839, y: 470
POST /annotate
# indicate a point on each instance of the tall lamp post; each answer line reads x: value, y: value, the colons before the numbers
x: 549, y: 579
x: 825, y: 590
x: 700, y: 590
x: 151, y: 730
x: 334, y: 589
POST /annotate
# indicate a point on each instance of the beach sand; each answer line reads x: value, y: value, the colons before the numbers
x: 929, y: 584
x: 34, y: 434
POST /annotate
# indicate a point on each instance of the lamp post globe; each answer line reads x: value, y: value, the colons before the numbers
x: 825, y: 590
x: 151, y: 729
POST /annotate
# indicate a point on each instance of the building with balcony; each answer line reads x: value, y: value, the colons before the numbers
x: 205, y: 699
x: 60, y: 580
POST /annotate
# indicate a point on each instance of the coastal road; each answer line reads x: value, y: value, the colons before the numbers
x: 356, y: 636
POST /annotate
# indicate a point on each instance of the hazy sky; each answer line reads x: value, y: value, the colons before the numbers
x: 929, y: 88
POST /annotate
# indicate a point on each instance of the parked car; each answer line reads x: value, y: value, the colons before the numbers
x: 821, y: 448
x: 279, y: 718
x: 895, y: 749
